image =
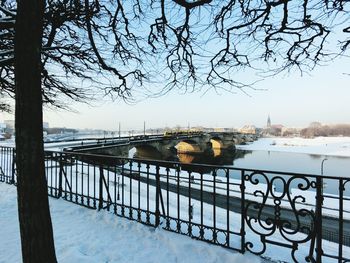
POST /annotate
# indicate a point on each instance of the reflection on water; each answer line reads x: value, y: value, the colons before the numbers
x: 218, y: 157
x: 261, y: 160
x: 225, y: 158
x: 286, y: 162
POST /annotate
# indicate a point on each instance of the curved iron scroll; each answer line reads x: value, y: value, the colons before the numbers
x: 278, y: 217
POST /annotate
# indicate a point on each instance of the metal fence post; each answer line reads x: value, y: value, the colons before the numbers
x: 60, y: 179
x: 341, y: 226
x: 13, y: 167
x: 318, y: 224
x: 242, y: 232
x: 100, y: 194
x: 157, y: 213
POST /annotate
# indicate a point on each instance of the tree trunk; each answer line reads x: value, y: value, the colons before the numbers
x: 33, y: 206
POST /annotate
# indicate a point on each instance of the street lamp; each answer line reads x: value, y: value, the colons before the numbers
x: 323, y: 186
x: 325, y: 159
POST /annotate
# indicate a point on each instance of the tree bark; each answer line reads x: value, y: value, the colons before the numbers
x: 33, y: 205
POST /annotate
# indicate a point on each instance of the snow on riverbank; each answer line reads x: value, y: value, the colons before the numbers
x: 335, y: 146
x: 83, y: 235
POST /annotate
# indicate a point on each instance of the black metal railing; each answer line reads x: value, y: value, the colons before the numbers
x: 240, y: 209
x: 7, y: 165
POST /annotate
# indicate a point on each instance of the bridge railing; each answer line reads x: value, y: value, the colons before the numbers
x: 306, y: 216
x: 95, y: 144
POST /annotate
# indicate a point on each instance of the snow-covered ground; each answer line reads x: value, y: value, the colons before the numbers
x: 84, y: 235
x: 336, y: 146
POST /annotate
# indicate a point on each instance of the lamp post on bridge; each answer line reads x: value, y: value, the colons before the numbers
x: 322, y: 163
x: 323, y: 183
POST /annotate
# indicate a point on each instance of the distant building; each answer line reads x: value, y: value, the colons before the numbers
x: 276, y: 129
x: 272, y: 129
x: 268, y: 125
x: 2, y: 127
x: 10, y: 126
x: 277, y: 126
x: 248, y: 129
x: 219, y: 129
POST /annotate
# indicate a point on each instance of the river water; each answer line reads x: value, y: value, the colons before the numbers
x: 287, y: 162
x: 294, y: 162
x: 334, y: 166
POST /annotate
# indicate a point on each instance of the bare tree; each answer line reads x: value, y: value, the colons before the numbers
x: 114, y: 47
x: 317, y: 129
x: 33, y: 207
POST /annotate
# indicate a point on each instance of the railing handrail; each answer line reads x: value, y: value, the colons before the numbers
x: 98, y: 138
x: 167, y: 163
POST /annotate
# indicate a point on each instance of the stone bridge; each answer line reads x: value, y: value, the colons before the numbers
x: 163, y: 146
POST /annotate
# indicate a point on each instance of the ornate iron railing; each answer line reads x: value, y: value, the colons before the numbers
x: 240, y: 209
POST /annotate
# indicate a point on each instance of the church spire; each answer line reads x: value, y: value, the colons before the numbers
x: 268, y: 122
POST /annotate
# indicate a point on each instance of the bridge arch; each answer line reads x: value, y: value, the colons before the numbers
x: 216, y: 142
x: 188, y: 146
x: 147, y: 151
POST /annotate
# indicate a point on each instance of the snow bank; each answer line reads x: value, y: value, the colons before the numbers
x: 84, y: 235
x: 336, y: 146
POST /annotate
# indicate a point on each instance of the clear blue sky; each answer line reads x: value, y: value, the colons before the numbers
x: 292, y: 100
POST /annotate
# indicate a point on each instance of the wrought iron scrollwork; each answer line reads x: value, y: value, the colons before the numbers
x: 344, y: 184
x: 276, y: 214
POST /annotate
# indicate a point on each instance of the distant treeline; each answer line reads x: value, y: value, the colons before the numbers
x: 317, y: 129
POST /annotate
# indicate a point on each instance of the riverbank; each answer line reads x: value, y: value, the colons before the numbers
x: 332, y: 146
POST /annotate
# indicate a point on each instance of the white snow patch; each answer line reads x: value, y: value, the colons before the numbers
x: 84, y: 235
x: 335, y: 146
